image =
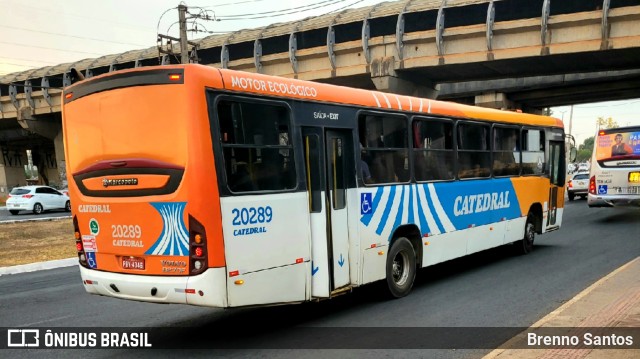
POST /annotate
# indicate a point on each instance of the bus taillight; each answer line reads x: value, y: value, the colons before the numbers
x: 197, y: 247
x: 592, y: 185
x: 82, y: 258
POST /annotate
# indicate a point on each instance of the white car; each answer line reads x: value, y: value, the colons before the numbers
x: 578, y: 185
x: 37, y: 199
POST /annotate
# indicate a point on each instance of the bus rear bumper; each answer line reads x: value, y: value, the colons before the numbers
x: 207, y: 289
x: 613, y: 200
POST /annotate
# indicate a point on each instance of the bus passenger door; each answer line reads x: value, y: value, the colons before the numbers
x: 556, y: 173
x: 328, y: 158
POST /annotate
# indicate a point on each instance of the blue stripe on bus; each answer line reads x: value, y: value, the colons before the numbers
x: 366, y: 219
x: 400, y: 212
x: 432, y: 209
x: 411, y: 205
x: 464, y: 204
x: 387, y: 210
x: 424, y: 227
x: 477, y: 203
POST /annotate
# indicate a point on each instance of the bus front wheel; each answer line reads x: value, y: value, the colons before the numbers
x: 401, y: 268
x: 525, y: 245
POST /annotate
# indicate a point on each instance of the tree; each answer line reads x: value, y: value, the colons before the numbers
x: 608, y: 122
x: 587, y: 144
x: 585, y: 149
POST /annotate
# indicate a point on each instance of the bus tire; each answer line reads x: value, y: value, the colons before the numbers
x: 525, y: 245
x: 571, y: 196
x: 401, y: 268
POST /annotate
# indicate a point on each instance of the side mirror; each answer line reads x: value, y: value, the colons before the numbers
x: 573, y: 154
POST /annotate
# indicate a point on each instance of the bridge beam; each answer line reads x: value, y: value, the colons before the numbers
x: 387, y: 79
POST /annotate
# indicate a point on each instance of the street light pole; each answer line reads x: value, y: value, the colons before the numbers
x: 570, y: 119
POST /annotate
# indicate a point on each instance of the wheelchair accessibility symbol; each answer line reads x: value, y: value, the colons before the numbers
x: 365, y: 203
x: 602, y: 189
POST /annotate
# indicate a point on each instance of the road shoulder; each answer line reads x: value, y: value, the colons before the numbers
x: 611, y: 302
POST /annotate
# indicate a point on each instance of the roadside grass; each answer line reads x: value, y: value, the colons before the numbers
x: 36, y: 241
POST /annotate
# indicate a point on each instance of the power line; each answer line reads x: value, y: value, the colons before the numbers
x: 73, y: 36
x: 20, y: 65
x: 50, y: 48
x: 29, y: 60
x: 231, y: 3
x: 83, y: 17
x: 282, y: 12
x: 346, y: 6
x: 601, y: 106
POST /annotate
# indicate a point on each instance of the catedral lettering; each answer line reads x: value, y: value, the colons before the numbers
x: 248, y: 231
x: 127, y: 243
x: 94, y: 208
x: 482, y: 202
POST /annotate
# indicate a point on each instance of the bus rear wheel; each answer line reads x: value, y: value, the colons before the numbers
x: 401, y: 268
x: 525, y: 245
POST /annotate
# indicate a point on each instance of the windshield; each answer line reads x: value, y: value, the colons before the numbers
x: 618, y: 145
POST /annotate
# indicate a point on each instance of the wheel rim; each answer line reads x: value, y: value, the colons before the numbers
x: 400, y: 271
x: 38, y: 208
x: 67, y: 206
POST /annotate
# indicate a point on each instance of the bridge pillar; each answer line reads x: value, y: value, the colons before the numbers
x: 500, y: 101
x: 49, y: 159
x: 497, y: 100
x: 387, y: 79
x: 12, y: 169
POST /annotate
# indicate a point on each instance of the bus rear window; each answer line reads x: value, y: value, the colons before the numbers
x: 256, y: 146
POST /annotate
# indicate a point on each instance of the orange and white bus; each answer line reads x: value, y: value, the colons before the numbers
x: 212, y: 187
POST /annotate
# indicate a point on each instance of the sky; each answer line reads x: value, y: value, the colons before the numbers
x: 39, y: 33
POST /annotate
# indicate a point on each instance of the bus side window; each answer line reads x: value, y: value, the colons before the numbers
x: 433, y: 149
x: 533, y: 154
x: 256, y: 147
x: 473, y: 150
x: 506, y: 151
x: 384, y: 148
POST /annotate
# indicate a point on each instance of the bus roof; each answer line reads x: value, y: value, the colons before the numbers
x: 259, y: 84
x: 315, y: 91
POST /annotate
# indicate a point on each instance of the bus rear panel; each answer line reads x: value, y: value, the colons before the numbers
x: 139, y: 233
x: 614, y: 178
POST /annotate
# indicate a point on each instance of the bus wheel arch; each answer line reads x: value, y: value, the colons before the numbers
x: 403, y: 258
x: 536, y: 212
x: 532, y: 226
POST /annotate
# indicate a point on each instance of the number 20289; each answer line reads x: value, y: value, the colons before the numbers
x: 251, y: 215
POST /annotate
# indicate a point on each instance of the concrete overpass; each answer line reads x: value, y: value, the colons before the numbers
x: 526, y: 54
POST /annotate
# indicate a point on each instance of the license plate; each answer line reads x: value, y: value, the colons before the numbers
x: 133, y: 263
x: 634, y: 177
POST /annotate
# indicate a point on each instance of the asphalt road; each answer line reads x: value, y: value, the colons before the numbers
x: 490, y: 289
x: 28, y: 215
